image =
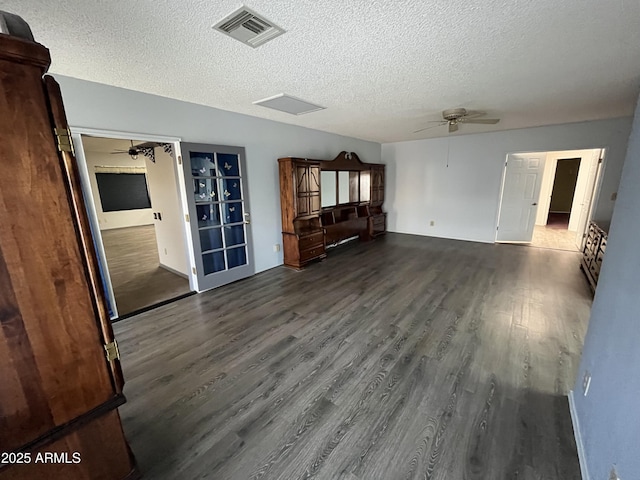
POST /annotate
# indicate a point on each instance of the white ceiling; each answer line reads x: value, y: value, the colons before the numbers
x: 382, y: 68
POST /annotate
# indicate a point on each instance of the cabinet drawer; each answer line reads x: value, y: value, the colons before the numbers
x: 310, y: 253
x: 309, y: 241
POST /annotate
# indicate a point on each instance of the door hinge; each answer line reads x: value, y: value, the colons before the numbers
x: 498, y: 227
x: 179, y: 159
x: 599, y: 160
x: 63, y: 138
x: 186, y: 217
x: 111, y: 351
x: 193, y: 269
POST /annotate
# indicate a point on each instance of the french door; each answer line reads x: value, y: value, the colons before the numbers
x: 218, y: 213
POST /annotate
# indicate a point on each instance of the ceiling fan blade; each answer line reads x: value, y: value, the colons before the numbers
x: 474, y: 114
x: 488, y: 121
x: 453, y: 127
x: 440, y: 123
x: 146, y: 145
x: 119, y: 152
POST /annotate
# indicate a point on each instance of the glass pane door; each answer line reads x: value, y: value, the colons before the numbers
x: 219, y: 214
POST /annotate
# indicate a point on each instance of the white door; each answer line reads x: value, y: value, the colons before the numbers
x: 215, y: 176
x: 585, y: 207
x: 520, y: 192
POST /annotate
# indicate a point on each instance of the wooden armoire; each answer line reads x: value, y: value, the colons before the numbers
x: 60, y: 376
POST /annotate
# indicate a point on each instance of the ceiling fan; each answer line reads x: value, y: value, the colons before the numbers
x: 454, y: 116
x: 136, y: 150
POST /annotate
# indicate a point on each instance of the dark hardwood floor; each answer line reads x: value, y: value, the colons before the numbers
x: 136, y: 275
x: 404, y: 358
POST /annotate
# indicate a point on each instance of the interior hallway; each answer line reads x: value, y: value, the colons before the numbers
x: 555, y: 234
x: 407, y: 357
x: 136, y: 275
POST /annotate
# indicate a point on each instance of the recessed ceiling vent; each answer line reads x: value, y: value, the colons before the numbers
x: 248, y: 27
x: 289, y: 104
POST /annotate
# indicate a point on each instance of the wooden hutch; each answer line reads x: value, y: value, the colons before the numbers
x: 326, y: 202
x: 59, y: 364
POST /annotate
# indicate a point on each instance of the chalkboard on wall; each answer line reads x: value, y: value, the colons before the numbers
x: 123, y: 191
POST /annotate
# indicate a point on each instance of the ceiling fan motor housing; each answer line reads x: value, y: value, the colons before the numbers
x: 454, y: 114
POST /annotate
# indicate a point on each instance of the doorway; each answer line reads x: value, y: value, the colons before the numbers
x: 133, y: 188
x: 548, y: 197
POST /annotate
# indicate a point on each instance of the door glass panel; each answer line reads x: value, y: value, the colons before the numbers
x: 208, y: 215
x: 228, y: 165
x: 232, y: 212
x: 211, y: 239
x: 213, y: 262
x: 231, y: 189
x: 237, y: 257
x: 202, y: 164
x: 234, y: 235
x: 205, y: 189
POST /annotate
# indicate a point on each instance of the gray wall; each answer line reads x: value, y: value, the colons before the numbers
x: 462, y: 195
x: 609, y: 416
x: 93, y: 105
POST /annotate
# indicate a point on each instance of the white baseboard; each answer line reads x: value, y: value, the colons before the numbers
x: 173, y: 270
x: 578, y: 436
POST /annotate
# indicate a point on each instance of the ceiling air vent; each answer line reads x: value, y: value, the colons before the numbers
x: 289, y: 104
x: 248, y: 27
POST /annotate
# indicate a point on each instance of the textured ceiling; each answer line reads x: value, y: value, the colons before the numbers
x: 382, y: 68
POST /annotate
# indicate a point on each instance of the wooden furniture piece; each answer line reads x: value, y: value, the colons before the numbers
x: 60, y: 375
x: 302, y: 234
x: 310, y: 223
x: 593, y: 252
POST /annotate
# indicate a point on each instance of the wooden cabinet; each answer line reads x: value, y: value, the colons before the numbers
x: 302, y: 234
x: 59, y: 368
x: 593, y: 253
x: 352, y: 209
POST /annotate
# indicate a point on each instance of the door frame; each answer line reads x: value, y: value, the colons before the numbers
x: 76, y: 135
x: 595, y: 195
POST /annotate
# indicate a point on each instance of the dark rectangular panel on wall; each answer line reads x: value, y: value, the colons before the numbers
x: 123, y: 191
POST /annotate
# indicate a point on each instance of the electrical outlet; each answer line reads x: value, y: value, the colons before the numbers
x: 586, y: 382
x: 165, y: 251
x: 432, y: 223
x: 276, y: 247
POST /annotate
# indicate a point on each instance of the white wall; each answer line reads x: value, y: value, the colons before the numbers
x: 163, y: 190
x: 462, y: 195
x: 609, y: 417
x: 93, y: 105
x: 124, y: 218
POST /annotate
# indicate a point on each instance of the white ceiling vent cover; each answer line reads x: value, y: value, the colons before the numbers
x: 248, y: 27
x: 289, y: 104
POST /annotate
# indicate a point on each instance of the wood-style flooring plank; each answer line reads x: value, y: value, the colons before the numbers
x: 404, y: 358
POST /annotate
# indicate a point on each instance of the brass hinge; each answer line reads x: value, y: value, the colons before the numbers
x: 186, y: 217
x: 63, y: 137
x: 112, y: 352
x: 193, y: 269
x: 179, y: 159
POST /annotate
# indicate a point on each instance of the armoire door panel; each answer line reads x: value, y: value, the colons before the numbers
x: 85, y: 241
x: 302, y: 179
x: 45, y: 270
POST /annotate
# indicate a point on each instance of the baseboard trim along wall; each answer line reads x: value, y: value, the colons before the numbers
x: 173, y: 270
x: 578, y: 436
